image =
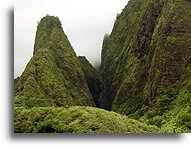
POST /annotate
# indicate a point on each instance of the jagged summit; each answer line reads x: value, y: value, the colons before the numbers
x: 49, y: 30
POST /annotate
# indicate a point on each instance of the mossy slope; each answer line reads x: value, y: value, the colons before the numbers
x: 126, y: 52
x: 77, y: 120
x: 172, y: 110
x: 150, y: 51
x: 53, y: 77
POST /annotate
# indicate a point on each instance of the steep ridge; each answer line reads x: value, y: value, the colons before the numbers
x: 128, y: 49
x: 172, y: 44
x: 53, y: 77
x: 150, y: 49
x: 146, y: 64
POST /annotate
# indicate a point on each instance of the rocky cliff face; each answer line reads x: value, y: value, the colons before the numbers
x: 150, y: 50
x: 53, y: 77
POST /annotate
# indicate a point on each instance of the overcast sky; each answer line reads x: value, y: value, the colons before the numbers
x: 84, y: 21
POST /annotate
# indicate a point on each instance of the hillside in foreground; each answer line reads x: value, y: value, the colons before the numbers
x: 78, y: 120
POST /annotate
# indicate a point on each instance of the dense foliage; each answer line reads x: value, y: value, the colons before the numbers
x: 150, y: 51
x: 145, y: 76
x: 79, y: 120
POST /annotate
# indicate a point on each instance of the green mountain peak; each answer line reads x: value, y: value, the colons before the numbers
x: 54, y: 75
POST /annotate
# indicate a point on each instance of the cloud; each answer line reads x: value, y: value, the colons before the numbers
x: 84, y: 21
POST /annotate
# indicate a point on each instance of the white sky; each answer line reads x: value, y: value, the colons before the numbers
x: 84, y: 21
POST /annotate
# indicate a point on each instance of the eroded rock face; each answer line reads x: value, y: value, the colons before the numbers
x: 53, y: 77
x: 93, y: 78
x: 147, y: 53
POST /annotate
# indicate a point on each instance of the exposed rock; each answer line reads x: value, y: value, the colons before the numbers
x: 54, y: 75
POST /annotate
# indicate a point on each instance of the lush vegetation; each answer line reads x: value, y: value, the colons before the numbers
x: 79, y: 120
x: 145, y: 76
x: 149, y: 49
x: 54, y: 75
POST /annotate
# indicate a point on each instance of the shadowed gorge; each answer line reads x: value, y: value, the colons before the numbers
x: 144, y: 76
x: 93, y: 79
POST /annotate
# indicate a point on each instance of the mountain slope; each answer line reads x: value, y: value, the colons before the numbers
x: 127, y: 48
x: 150, y: 51
x: 54, y: 75
x: 145, y: 74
